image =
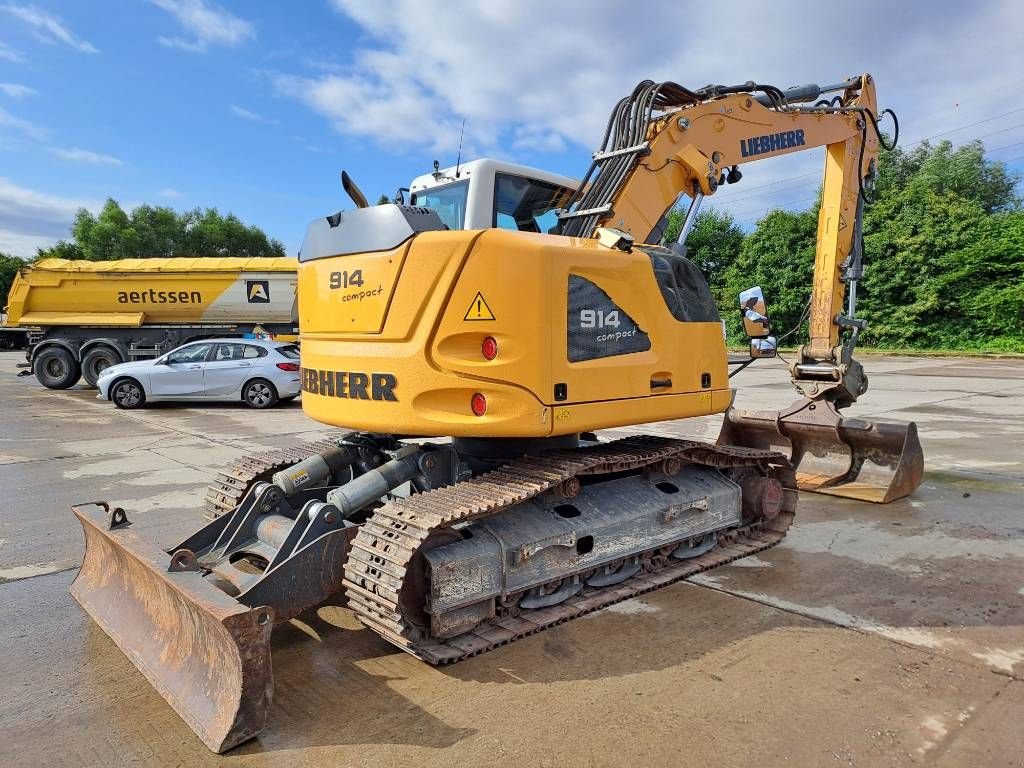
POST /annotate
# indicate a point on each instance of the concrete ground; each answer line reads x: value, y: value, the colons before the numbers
x: 872, y: 636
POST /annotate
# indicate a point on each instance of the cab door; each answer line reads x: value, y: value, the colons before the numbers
x: 229, y: 367
x: 180, y: 373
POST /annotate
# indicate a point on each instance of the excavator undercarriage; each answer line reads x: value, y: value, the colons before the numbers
x: 474, y: 559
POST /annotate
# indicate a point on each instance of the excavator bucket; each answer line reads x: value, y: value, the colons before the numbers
x: 877, y: 461
x: 206, y: 653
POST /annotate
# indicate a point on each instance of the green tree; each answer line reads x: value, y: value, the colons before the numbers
x: 943, y: 170
x: 982, y: 286
x: 150, y: 231
x: 9, y: 266
x: 778, y: 256
x: 713, y: 244
x: 943, y: 251
x: 383, y: 200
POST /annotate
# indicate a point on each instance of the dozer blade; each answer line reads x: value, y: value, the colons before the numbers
x: 205, y: 653
x: 878, y: 461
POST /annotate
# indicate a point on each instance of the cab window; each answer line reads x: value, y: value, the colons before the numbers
x: 251, y: 352
x: 527, y: 205
x: 449, y: 202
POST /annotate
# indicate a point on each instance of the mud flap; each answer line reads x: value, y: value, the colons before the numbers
x: 877, y: 461
x: 206, y: 654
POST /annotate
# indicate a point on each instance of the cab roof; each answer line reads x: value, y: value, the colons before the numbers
x: 488, y: 166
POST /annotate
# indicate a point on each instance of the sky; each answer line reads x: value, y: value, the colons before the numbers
x: 255, y: 108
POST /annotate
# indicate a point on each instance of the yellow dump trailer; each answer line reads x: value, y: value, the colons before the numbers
x: 86, y: 315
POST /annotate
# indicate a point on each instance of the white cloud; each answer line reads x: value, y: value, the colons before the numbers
x: 25, y: 127
x: 206, y: 23
x: 251, y: 116
x: 78, y: 155
x: 17, y: 91
x: 31, y: 219
x: 537, y: 76
x: 192, y: 46
x: 171, y: 193
x: 11, y: 54
x: 529, y: 138
x: 47, y: 27
x: 398, y: 111
x: 23, y: 246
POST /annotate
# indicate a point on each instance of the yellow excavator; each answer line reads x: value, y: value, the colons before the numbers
x: 512, y: 314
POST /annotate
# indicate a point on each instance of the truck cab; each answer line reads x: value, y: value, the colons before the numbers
x: 486, y: 193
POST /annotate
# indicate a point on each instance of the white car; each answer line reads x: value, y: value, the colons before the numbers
x: 258, y: 372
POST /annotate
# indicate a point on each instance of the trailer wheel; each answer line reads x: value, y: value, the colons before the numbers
x: 127, y: 394
x: 96, y: 360
x: 56, y: 368
x: 259, y: 393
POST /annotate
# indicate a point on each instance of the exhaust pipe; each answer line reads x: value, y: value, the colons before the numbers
x: 353, y: 191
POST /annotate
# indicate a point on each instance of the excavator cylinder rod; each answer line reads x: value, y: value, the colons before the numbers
x: 877, y: 461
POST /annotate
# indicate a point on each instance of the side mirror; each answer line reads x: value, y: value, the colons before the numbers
x: 755, y: 313
x: 766, y: 347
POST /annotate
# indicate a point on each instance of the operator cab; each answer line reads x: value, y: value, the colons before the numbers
x: 485, y: 193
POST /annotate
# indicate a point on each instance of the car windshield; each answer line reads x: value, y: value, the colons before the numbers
x: 526, y: 204
x: 291, y: 351
x: 449, y: 202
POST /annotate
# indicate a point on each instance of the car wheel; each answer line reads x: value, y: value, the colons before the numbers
x: 56, y: 368
x: 127, y: 394
x: 259, y: 393
x: 97, y: 360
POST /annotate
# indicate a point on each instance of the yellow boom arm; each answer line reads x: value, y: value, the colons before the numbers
x: 687, y: 148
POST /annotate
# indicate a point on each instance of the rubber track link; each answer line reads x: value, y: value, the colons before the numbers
x: 385, y: 545
x: 232, y: 483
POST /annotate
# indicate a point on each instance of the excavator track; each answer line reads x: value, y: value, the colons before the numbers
x: 232, y: 483
x: 381, y: 563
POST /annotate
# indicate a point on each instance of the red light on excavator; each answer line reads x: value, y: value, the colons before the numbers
x: 288, y: 366
x: 489, y: 348
x: 479, y: 404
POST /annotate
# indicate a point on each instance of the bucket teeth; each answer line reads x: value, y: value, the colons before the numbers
x: 206, y: 654
x: 877, y: 461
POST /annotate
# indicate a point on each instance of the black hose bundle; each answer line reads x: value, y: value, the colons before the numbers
x: 628, y: 129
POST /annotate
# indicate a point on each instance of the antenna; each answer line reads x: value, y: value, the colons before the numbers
x: 458, y: 160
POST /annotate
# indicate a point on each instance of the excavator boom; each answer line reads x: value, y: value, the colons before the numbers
x: 664, y: 141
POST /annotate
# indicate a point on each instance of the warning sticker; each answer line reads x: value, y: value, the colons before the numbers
x: 479, y: 310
